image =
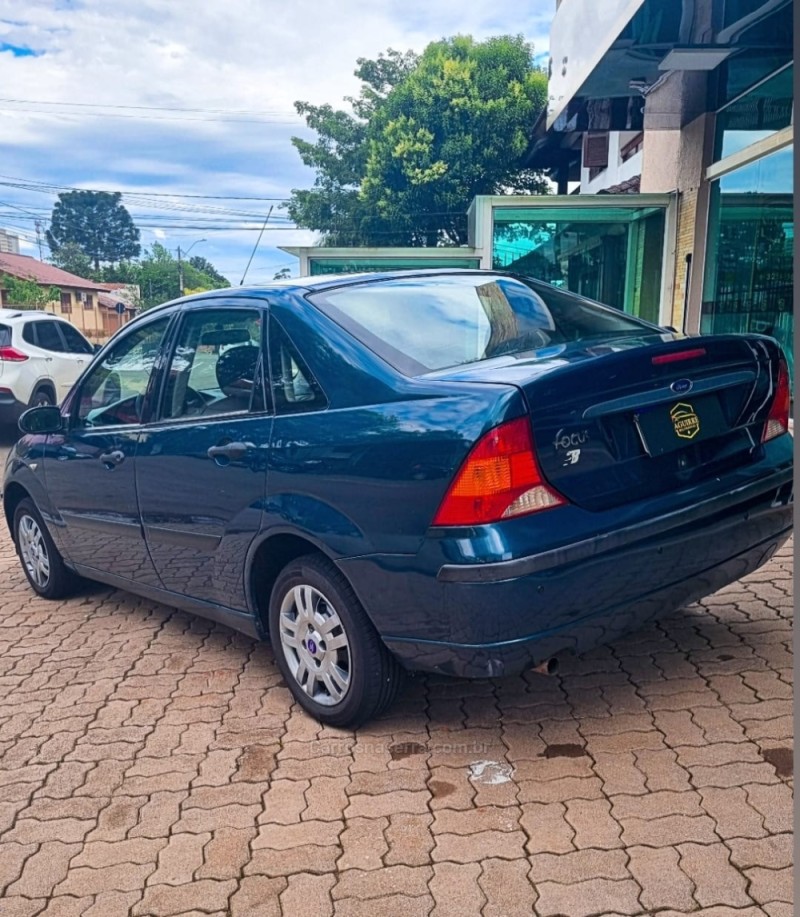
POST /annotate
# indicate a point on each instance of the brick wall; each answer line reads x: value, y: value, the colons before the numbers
x: 687, y: 221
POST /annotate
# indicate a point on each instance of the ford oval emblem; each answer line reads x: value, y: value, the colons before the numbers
x: 681, y: 386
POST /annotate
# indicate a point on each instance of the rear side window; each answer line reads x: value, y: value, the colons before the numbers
x: 293, y: 387
x: 419, y: 324
x: 5, y: 336
x: 47, y: 336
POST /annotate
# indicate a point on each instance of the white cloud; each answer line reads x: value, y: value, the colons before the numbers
x: 238, y: 57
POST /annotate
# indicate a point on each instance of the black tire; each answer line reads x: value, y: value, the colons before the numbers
x: 59, y: 581
x: 42, y: 396
x: 374, y: 675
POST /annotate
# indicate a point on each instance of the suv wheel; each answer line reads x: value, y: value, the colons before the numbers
x: 41, y: 397
x: 328, y: 652
x: 43, y: 565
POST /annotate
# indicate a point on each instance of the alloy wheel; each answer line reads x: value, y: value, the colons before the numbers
x: 33, y: 549
x: 315, y: 645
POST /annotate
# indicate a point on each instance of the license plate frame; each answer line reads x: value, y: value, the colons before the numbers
x: 679, y: 424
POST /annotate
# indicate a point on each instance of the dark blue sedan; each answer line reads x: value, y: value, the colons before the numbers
x: 461, y: 472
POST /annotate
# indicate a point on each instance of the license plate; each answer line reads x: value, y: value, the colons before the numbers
x: 679, y: 424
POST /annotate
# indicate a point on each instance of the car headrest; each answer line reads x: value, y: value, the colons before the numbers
x: 236, y: 370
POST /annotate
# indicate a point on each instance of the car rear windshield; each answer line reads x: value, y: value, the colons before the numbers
x: 420, y: 324
x: 5, y: 336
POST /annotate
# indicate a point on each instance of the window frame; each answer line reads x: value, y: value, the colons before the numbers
x: 181, y: 317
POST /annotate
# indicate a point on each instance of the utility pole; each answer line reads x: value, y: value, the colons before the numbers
x: 38, y: 225
x: 180, y: 273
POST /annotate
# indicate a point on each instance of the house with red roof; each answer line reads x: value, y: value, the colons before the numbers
x: 79, y: 299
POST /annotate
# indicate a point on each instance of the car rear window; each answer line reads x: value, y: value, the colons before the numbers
x: 5, y: 336
x: 420, y: 324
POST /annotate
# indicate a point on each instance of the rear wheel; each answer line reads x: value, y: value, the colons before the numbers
x: 328, y: 652
x: 41, y: 561
x: 41, y: 397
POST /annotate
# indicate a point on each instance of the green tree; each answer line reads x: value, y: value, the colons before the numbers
x: 71, y: 257
x: 97, y: 222
x: 283, y: 274
x: 158, y: 276
x: 204, y: 266
x: 426, y: 135
x: 27, y: 294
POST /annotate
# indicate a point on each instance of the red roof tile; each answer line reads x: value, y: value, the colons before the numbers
x: 27, y: 268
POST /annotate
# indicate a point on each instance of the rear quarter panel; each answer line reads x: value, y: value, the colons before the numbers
x: 367, y: 474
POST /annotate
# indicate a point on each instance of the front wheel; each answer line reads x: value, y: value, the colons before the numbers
x: 41, y: 561
x: 328, y: 652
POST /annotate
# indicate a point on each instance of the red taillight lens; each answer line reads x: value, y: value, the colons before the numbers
x: 12, y: 355
x: 499, y: 479
x: 778, y: 419
x: 678, y: 356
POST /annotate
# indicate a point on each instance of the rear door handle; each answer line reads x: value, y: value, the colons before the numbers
x: 229, y: 451
x: 112, y: 459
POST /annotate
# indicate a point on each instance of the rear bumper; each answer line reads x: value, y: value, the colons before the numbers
x: 493, y: 619
x: 10, y: 408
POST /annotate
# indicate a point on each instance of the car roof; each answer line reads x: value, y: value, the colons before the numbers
x: 318, y: 282
x: 7, y: 314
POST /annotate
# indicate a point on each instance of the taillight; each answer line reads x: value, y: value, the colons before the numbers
x: 499, y: 479
x: 778, y: 418
x: 678, y: 356
x: 12, y: 355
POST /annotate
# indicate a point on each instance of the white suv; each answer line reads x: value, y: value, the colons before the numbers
x: 41, y: 356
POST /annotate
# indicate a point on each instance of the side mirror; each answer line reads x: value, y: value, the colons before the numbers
x: 97, y: 348
x: 43, y: 419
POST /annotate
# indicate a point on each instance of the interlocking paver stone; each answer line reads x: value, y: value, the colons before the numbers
x: 152, y: 763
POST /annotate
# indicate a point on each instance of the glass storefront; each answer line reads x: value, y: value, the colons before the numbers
x: 321, y: 265
x: 764, y: 110
x: 749, y: 281
x: 612, y: 254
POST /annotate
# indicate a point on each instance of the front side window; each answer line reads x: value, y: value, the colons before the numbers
x: 215, y: 365
x: 419, y: 324
x: 113, y: 393
x: 76, y: 342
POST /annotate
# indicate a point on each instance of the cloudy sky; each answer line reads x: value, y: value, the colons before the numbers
x: 174, y: 101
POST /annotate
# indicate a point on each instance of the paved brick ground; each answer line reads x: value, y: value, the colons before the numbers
x: 153, y: 764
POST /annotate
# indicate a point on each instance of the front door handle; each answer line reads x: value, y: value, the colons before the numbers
x: 229, y: 452
x: 112, y: 459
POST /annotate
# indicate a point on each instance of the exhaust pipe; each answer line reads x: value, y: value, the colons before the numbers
x: 548, y: 667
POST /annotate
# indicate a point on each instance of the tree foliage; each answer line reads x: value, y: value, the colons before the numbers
x: 97, y: 222
x: 27, y: 294
x: 71, y: 257
x: 206, y: 267
x: 426, y: 135
x: 158, y: 276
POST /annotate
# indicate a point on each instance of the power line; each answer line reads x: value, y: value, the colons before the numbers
x: 266, y: 111
x: 99, y: 114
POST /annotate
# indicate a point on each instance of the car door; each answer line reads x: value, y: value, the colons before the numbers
x: 60, y: 365
x: 77, y: 354
x: 89, y: 471
x: 201, y: 467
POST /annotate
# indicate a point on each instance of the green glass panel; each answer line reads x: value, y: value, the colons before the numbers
x: 749, y: 279
x: 760, y: 113
x: 318, y: 265
x: 610, y: 254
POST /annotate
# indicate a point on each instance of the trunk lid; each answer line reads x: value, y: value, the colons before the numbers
x: 629, y: 418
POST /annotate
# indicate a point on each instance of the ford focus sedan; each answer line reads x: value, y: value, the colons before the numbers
x: 462, y: 472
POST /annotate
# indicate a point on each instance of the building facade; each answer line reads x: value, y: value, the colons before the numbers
x: 693, y: 98
x: 9, y: 242
x: 74, y: 298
